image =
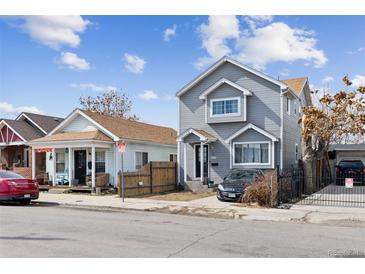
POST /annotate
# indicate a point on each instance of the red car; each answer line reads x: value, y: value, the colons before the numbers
x: 14, y: 187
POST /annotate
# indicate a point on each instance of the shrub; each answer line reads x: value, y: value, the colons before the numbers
x: 263, y: 191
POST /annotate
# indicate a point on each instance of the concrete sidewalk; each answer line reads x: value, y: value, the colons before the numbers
x: 211, y: 207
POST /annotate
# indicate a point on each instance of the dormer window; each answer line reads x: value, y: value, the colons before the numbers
x: 225, y: 107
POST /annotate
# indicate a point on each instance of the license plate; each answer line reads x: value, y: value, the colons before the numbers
x: 26, y: 195
x: 231, y: 195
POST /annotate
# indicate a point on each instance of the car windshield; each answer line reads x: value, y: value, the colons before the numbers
x: 351, y: 164
x: 9, y: 175
x: 241, y: 174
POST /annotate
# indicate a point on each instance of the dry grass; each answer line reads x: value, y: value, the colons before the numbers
x: 180, y: 196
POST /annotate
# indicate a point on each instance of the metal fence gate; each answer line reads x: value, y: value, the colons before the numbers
x: 324, y: 190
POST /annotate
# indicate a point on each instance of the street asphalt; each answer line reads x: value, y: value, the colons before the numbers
x: 55, y: 231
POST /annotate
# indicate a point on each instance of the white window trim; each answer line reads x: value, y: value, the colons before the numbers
x: 105, y: 157
x: 288, y: 105
x: 296, y: 153
x: 135, y: 157
x: 252, y: 164
x: 225, y: 114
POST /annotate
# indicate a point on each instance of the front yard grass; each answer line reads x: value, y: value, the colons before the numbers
x: 180, y: 196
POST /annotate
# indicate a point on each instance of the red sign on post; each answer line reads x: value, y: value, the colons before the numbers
x: 43, y: 150
x: 121, y: 146
x: 349, y: 182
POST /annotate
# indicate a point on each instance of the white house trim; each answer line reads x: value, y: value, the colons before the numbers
x: 226, y: 114
x: 14, y: 131
x: 34, y: 123
x: 222, y: 81
x: 238, y: 64
x: 192, y: 131
x: 69, y: 119
x: 251, y: 126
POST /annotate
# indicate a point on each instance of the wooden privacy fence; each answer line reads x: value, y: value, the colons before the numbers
x: 155, y: 177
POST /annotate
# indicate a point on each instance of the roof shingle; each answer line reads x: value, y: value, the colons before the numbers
x: 296, y: 84
x: 75, y: 136
x: 47, y: 123
x: 26, y: 131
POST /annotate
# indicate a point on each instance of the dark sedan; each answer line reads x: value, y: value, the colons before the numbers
x: 235, y: 183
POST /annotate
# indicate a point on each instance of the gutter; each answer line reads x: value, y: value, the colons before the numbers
x: 282, y: 128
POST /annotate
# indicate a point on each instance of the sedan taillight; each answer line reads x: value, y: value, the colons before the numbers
x: 363, y: 170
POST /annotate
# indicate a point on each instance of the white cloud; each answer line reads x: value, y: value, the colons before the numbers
x: 72, y: 61
x: 262, y: 43
x: 168, y: 33
x: 93, y: 87
x: 358, y: 81
x: 55, y: 31
x: 10, y: 109
x: 134, y: 63
x: 361, y: 49
x: 327, y: 79
x: 215, y: 35
x: 148, y: 95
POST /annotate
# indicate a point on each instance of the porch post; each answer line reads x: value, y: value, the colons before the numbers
x: 93, y: 166
x: 201, y: 161
x: 54, y: 167
x: 69, y: 167
x: 33, y: 163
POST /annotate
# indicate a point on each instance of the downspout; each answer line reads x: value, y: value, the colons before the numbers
x: 178, y: 144
x: 281, y: 129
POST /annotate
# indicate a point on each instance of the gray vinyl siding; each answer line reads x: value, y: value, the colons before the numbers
x: 224, y: 91
x: 291, y: 134
x: 263, y: 110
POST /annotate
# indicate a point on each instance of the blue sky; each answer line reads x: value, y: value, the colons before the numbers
x: 47, y: 63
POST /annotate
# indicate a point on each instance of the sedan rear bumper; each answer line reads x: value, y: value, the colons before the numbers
x: 18, y: 197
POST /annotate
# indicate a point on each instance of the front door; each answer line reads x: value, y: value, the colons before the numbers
x: 80, y: 165
x: 197, y: 161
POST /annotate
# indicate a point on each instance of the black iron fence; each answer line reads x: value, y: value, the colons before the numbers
x: 323, y: 190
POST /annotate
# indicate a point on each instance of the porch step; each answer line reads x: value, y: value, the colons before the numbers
x: 197, y: 186
x: 57, y: 190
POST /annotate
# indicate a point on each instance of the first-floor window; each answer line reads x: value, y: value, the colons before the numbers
x: 173, y: 158
x: 251, y: 153
x: 141, y: 159
x: 60, y: 162
x: 100, y: 161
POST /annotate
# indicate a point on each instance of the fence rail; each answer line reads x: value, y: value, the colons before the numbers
x: 346, y: 190
x: 153, y: 178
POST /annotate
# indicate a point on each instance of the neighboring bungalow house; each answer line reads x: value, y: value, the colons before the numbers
x: 14, y: 135
x: 84, y: 148
x: 234, y: 116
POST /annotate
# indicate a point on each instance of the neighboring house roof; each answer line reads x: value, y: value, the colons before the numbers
x: 75, y: 136
x: 44, y: 122
x: 234, y: 62
x: 296, y: 84
x: 25, y: 130
x: 134, y: 130
x: 201, y: 134
x: 348, y: 147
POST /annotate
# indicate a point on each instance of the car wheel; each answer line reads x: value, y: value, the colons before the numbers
x: 25, y: 202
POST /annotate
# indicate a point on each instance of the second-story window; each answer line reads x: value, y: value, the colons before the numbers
x: 288, y: 103
x: 225, y: 107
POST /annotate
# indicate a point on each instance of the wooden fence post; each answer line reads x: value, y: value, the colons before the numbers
x: 151, y: 177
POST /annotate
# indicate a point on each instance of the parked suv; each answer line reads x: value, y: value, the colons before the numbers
x: 350, y: 169
x: 235, y: 183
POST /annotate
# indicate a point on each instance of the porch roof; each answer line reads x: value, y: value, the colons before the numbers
x: 95, y: 135
x: 201, y: 134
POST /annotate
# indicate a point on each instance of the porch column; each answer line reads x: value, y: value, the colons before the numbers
x: 33, y: 164
x: 93, y: 167
x: 54, y: 166
x: 185, y: 171
x: 69, y: 167
x: 201, y: 161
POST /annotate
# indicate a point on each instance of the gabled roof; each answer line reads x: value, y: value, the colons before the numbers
x: 23, y: 129
x: 120, y: 128
x: 234, y: 62
x: 201, y: 134
x: 75, y: 136
x: 251, y: 126
x: 221, y: 82
x: 355, y: 147
x: 43, y: 122
x: 296, y: 84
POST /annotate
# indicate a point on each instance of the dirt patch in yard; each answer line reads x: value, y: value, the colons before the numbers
x: 180, y: 196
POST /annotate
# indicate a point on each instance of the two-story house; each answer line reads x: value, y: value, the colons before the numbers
x: 233, y: 116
